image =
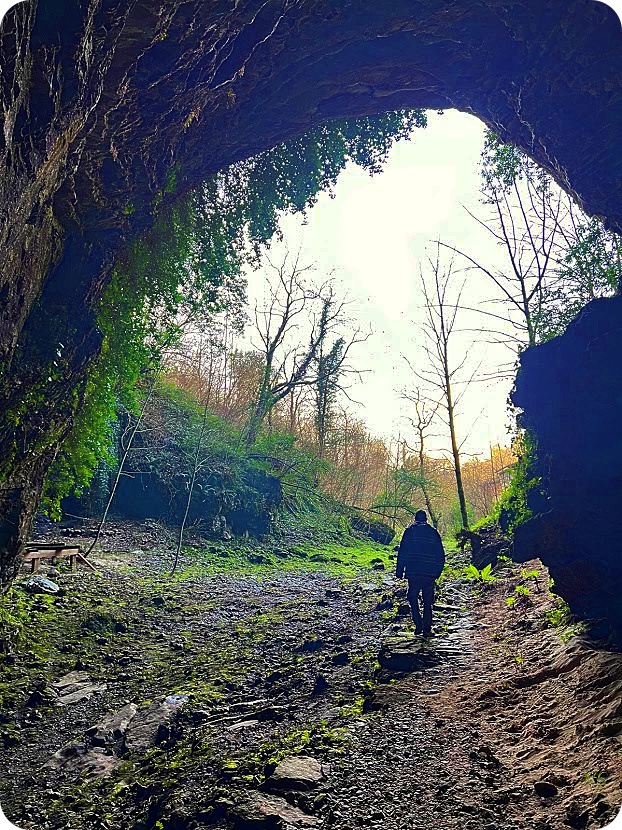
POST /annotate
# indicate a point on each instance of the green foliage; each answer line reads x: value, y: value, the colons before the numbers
x: 591, y: 267
x: 168, y: 273
x: 533, y: 574
x: 13, y: 618
x: 290, y: 177
x: 485, y: 523
x: 501, y: 164
x: 513, y: 509
x: 485, y: 575
x: 558, y: 617
x: 297, y: 470
x: 520, y: 598
x: 455, y: 516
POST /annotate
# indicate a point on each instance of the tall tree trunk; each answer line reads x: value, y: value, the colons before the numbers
x: 261, y: 408
x: 455, y: 451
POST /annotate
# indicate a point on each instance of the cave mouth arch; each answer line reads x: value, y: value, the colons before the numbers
x: 101, y: 104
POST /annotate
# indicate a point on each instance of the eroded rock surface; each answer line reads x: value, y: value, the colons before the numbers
x: 87, y: 763
x: 151, y: 726
x: 40, y: 585
x: 113, y: 727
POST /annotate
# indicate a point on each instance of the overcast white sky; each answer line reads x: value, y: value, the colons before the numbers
x: 374, y: 234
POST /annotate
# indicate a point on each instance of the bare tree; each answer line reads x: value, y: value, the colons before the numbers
x: 525, y: 220
x: 440, y: 374
x: 289, y: 362
x: 425, y: 413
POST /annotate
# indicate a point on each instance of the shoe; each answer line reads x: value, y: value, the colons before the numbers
x: 418, y: 630
x: 427, y: 633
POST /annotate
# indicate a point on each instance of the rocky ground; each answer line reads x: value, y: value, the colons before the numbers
x: 282, y: 686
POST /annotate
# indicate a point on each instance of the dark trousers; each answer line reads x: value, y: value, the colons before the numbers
x: 424, y: 585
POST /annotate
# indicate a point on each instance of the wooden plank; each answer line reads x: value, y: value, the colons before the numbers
x: 54, y: 556
x: 81, y: 558
x: 40, y: 554
x: 50, y: 546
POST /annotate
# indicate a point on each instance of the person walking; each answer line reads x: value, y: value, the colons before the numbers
x: 421, y: 558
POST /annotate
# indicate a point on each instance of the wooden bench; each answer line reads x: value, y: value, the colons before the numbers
x: 34, y: 552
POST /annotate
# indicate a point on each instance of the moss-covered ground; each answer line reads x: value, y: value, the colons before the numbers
x: 237, y: 622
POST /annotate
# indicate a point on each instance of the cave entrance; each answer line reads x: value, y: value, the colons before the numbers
x: 153, y: 101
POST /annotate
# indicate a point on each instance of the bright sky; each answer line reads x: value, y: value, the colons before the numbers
x: 374, y: 234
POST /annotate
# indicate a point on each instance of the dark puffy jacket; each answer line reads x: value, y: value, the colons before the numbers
x: 421, y: 552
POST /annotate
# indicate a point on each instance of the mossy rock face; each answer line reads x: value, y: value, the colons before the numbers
x: 255, y: 502
x: 377, y: 531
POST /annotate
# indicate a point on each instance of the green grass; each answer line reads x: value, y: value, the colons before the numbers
x: 345, y: 561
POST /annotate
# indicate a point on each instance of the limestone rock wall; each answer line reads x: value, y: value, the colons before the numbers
x: 570, y: 391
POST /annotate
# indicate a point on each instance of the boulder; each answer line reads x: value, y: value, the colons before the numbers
x: 569, y: 389
x: 487, y: 544
x: 40, y: 585
x: 86, y: 762
x: 376, y: 531
x: 300, y: 772
x: 261, y: 811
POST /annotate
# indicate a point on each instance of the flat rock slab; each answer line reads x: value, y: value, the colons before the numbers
x: 113, y: 726
x: 86, y: 763
x: 150, y: 726
x: 75, y: 687
x: 259, y: 811
x: 300, y: 772
x: 403, y: 653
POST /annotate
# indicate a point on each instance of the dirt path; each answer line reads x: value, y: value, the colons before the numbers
x: 225, y: 674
